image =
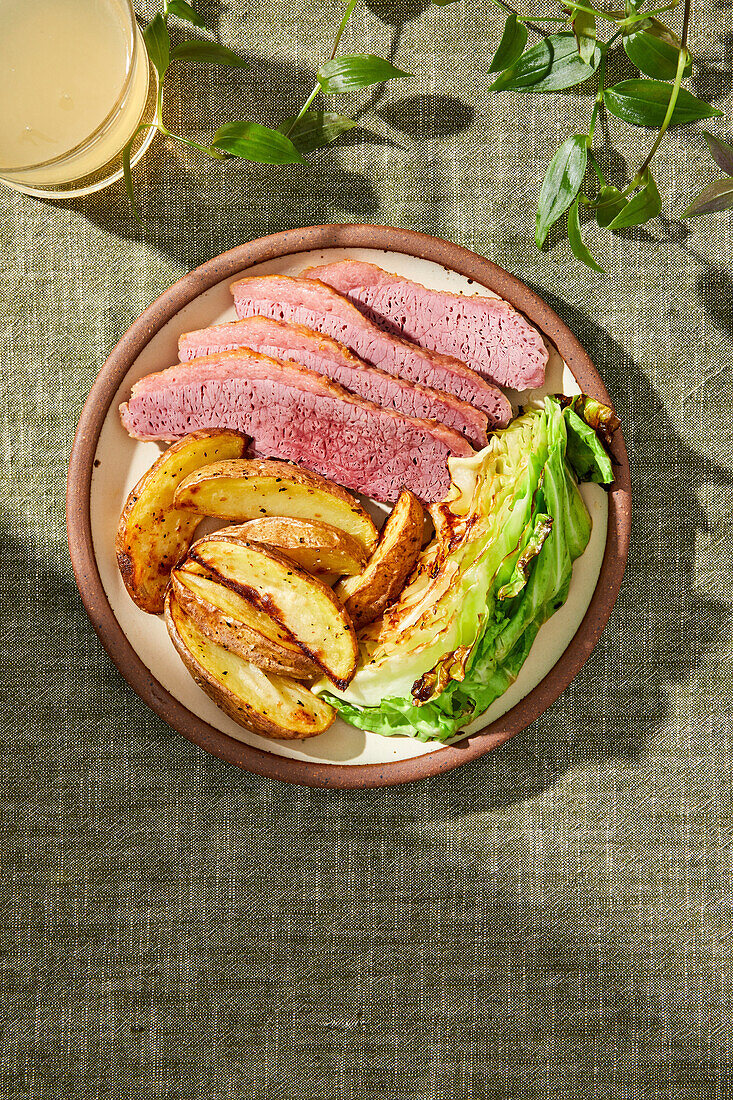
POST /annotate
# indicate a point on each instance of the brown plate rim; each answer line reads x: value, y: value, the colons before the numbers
x: 342, y: 776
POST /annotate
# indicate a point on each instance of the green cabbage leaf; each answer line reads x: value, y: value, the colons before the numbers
x: 499, y: 566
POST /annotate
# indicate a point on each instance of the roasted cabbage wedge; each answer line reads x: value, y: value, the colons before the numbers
x: 500, y: 565
x: 249, y: 488
x: 298, y: 603
x: 367, y: 595
x: 237, y: 624
x: 153, y: 535
x: 271, y: 705
x: 320, y: 548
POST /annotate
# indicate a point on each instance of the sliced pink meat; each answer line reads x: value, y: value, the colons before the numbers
x: 294, y: 414
x: 320, y: 353
x: 317, y: 306
x: 486, y: 333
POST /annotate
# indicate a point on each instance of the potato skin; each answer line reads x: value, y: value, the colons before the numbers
x: 320, y: 548
x: 368, y: 595
x: 153, y: 535
x: 239, y: 638
x: 305, y: 607
x: 313, y: 717
x: 245, y: 489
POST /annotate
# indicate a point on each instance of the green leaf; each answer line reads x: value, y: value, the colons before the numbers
x: 443, y: 3
x: 550, y: 66
x: 352, y: 71
x: 609, y: 203
x: 655, y: 53
x: 561, y: 184
x: 200, y: 49
x: 316, y: 129
x: 720, y: 151
x: 715, y: 197
x: 645, y: 102
x: 260, y: 144
x: 639, y: 210
x: 584, y: 29
x: 577, y: 245
x: 513, y: 41
x: 158, y: 44
x: 184, y: 11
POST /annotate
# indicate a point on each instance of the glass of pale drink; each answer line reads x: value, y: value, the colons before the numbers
x: 74, y: 83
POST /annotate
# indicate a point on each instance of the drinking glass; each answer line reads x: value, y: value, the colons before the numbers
x: 75, y: 81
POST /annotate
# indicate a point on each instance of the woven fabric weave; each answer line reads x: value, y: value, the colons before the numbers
x: 553, y: 920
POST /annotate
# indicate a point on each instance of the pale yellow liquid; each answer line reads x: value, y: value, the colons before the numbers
x: 66, y: 66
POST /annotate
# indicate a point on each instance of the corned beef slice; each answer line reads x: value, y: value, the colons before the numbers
x: 326, y: 356
x: 292, y: 413
x: 487, y: 333
x: 319, y: 307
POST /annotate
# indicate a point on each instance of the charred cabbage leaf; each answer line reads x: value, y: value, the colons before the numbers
x: 499, y: 566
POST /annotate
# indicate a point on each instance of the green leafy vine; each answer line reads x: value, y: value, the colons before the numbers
x: 293, y: 138
x: 575, y: 53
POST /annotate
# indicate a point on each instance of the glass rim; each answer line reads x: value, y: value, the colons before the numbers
x: 132, y: 43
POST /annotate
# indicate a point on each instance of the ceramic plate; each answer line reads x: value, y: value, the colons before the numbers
x: 106, y: 463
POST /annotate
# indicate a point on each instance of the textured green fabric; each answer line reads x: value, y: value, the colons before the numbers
x: 553, y: 920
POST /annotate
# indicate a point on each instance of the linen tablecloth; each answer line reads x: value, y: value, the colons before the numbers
x: 553, y: 920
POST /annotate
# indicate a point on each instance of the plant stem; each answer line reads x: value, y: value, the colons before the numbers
x: 596, y: 168
x: 599, y: 99
x: 513, y: 11
x: 214, y: 153
x: 139, y: 129
x: 342, y: 27
x: 667, y: 7
x: 339, y: 33
x: 303, y: 109
x: 159, y: 104
x: 681, y: 60
x: 642, y: 15
x: 611, y: 16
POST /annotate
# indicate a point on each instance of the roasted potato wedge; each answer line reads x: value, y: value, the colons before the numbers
x: 297, y: 601
x: 153, y: 535
x: 274, y: 706
x: 367, y: 596
x: 233, y: 622
x: 318, y: 547
x: 245, y: 489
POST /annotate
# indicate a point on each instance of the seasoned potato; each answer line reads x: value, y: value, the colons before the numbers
x: 298, y: 602
x: 153, y: 535
x: 267, y: 704
x: 318, y: 547
x: 367, y: 596
x: 233, y: 622
x: 249, y: 488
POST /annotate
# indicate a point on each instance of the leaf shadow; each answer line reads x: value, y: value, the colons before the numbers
x: 211, y: 12
x: 714, y: 287
x: 557, y: 985
x: 396, y: 13
x: 428, y: 116
x: 460, y: 927
x: 619, y: 67
x: 46, y: 606
x: 613, y: 163
x: 361, y: 136
x: 710, y: 82
x: 194, y: 207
